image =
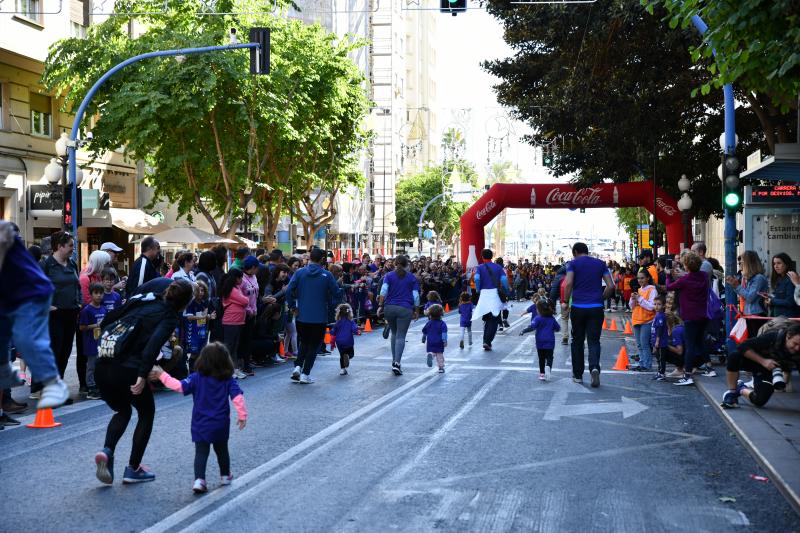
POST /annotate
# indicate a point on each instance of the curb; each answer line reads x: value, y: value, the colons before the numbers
x: 785, y: 489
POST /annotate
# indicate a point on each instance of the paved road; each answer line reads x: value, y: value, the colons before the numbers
x: 483, y: 447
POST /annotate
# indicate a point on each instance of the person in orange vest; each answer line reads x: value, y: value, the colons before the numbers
x: 643, y: 305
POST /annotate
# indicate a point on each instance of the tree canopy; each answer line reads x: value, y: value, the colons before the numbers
x: 610, y: 87
x: 214, y: 137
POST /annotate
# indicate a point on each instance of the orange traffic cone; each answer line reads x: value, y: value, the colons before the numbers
x: 605, y: 325
x: 328, y: 336
x: 446, y: 307
x: 281, y: 350
x: 613, y: 326
x: 622, y: 360
x: 628, y: 330
x: 367, y: 327
x: 44, y: 419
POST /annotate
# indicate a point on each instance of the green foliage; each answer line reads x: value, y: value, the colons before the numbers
x: 757, y: 43
x: 415, y: 191
x: 611, y: 85
x: 212, y: 135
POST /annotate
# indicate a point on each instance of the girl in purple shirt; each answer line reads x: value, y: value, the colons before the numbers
x: 342, y: 334
x: 211, y: 385
x: 465, y: 308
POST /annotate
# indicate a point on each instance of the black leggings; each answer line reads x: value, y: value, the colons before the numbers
x: 62, y: 327
x: 545, y: 357
x: 201, y: 452
x: 310, y: 337
x: 762, y: 378
x: 666, y: 356
x: 114, y: 382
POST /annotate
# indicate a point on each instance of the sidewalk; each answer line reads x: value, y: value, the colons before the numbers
x: 770, y: 433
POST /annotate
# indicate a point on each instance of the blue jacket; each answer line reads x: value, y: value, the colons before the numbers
x: 783, y: 302
x: 313, y: 291
x: 753, y: 302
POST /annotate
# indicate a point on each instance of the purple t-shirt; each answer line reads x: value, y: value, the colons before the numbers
x: 22, y: 279
x: 211, y: 414
x: 111, y: 300
x: 400, y: 290
x: 659, y: 331
x: 532, y: 310
x: 587, y: 286
x: 435, y: 332
x: 676, y: 339
x: 465, y: 310
x: 343, y: 331
x: 91, y: 315
x: 545, y: 328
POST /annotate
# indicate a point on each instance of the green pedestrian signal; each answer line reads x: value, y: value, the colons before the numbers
x: 454, y: 7
x: 731, y: 187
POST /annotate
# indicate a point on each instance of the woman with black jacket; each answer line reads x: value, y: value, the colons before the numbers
x: 123, y: 380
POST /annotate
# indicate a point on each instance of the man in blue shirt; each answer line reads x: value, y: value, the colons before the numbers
x: 490, y: 279
x: 584, y: 285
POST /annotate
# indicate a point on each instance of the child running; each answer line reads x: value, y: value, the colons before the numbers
x: 465, y: 308
x: 545, y: 327
x: 211, y: 384
x: 433, y: 298
x: 89, y: 324
x: 532, y: 310
x: 342, y: 336
x: 436, y: 332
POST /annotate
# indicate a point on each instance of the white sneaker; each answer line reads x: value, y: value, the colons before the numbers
x: 199, y: 486
x: 226, y: 480
x: 296, y: 373
x: 277, y: 359
x: 305, y: 379
x: 239, y: 374
x: 709, y: 373
x: 53, y: 394
x: 547, y: 373
x: 9, y: 377
x: 343, y: 372
x: 686, y: 380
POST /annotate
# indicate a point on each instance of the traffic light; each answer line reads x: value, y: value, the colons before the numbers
x: 547, y: 156
x: 652, y: 241
x: 259, y: 57
x: 731, y: 186
x: 583, y: 209
x: 454, y: 7
x: 67, y: 210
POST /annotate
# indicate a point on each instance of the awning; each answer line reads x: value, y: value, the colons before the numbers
x: 191, y: 236
x: 783, y: 166
x: 136, y: 221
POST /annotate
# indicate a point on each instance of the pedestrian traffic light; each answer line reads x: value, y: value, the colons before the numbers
x: 731, y: 187
x: 547, y: 157
x: 651, y: 241
x: 583, y: 209
x: 259, y: 57
x: 454, y: 7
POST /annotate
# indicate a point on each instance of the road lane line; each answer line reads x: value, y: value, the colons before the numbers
x: 219, y: 495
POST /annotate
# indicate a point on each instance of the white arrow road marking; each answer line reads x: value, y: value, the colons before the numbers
x: 558, y: 404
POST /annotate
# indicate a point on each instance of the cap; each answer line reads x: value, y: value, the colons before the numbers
x: 110, y: 246
x: 250, y: 262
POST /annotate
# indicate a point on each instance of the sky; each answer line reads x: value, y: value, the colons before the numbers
x: 464, y: 42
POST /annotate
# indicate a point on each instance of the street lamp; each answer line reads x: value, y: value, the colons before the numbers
x: 685, y: 205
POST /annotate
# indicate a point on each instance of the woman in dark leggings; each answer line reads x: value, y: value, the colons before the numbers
x: 766, y: 356
x: 122, y: 380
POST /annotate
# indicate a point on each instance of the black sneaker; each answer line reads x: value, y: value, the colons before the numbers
x: 83, y: 391
x: 13, y: 407
x: 487, y: 347
x: 93, y: 394
x: 396, y: 369
x: 506, y: 324
x: 6, y: 420
x: 595, y: 377
x: 386, y: 331
x: 461, y: 345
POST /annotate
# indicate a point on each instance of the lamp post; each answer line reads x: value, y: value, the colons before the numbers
x: 56, y: 171
x: 685, y: 205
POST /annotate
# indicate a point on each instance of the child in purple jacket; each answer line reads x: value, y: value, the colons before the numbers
x: 465, y: 308
x: 435, y: 332
x: 211, y: 385
x: 342, y: 334
x: 545, y: 327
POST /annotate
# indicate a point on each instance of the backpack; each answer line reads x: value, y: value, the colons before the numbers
x: 116, y: 338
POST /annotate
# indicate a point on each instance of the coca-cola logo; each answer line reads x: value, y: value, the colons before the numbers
x: 668, y: 209
x: 589, y: 196
x: 486, y: 209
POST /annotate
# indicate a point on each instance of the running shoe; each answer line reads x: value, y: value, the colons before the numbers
x: 140, y: 475
x: 430, y: 360
x: 577, y: 380
x: 386, y: 331
x: 708, y: 371
x: 547, y: 371
x: 6, y: 420
x: 343, y: 372
x: 542, y: 377
x: 277, y: 359
x: 296, y: 373
x: 305, y: 379
x: 104, y: 460
x: 487, y: 347
x: 396, y: 369
x: 659, y: 377
x: 226, y: 480
x: 52, y: 395
x: 685, y: 380
x: 93, y: 394
x: 248, y: 372
x: 441, y: 370
x: 595, y: 377
x: 461, y: 345
x: 199, y: 486
x: 506, y: 324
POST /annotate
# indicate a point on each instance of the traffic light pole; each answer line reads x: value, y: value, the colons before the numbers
x: 73, y: 135
x: 730, y: 215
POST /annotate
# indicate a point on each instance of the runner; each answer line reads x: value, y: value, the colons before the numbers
x: 122, y: 378
x: 25, y: 294
x: 584, y: 286
x: 399, y: 298
x: 311, y: 292
x: 491, y: 284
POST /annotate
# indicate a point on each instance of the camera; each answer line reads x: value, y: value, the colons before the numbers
x: 778, y: 381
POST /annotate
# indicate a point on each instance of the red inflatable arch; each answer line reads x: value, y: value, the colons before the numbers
x: 543, y: 196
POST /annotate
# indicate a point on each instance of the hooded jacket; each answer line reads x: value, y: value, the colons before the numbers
x: 314, y: 292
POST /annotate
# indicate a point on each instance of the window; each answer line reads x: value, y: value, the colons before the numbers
x: 41, y: 115
x: 77, y: 30
x: 31, y: 9
x: 2, y: 109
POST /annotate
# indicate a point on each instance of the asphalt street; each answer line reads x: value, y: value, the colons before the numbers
x: 485, y: 446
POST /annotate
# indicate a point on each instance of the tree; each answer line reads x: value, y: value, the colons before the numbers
x: 614, y: 86
x: 213, y: 136
x: 416, y: 190
x: 757, y: 45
